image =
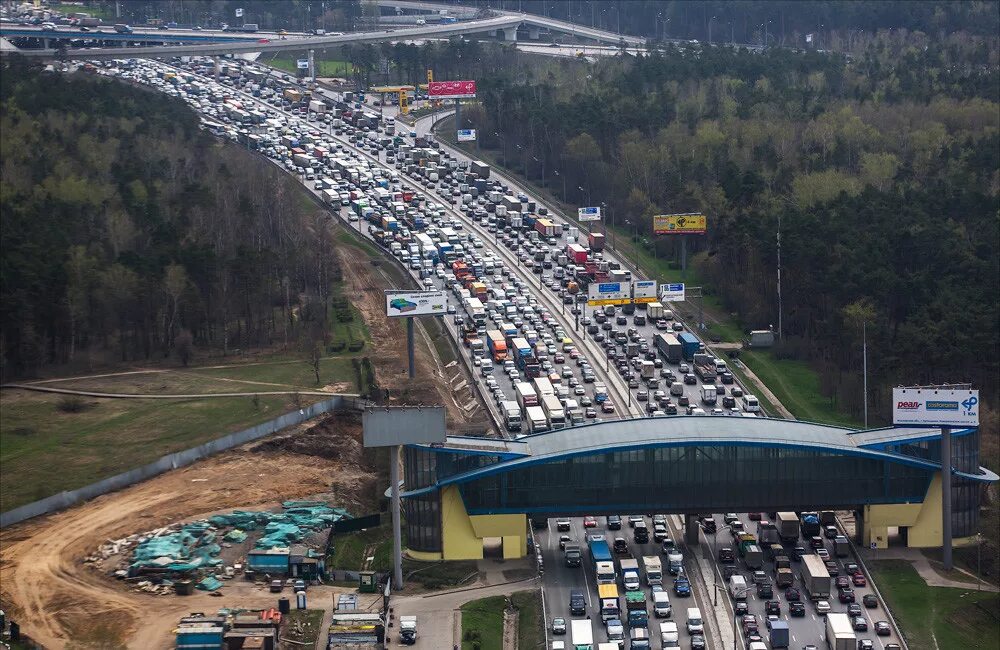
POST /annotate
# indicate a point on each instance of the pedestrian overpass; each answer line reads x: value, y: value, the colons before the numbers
x: 466, y: 490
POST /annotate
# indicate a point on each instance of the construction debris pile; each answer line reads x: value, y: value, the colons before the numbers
x: 193, y: 551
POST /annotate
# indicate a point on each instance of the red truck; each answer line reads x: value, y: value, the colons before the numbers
x: 576, y: 253
x: 596, y: 241
x: 461, y: 270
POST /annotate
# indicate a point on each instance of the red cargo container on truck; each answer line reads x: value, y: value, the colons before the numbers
x: 545, y: 227
x: 596, y: 241
x: 577, y: 253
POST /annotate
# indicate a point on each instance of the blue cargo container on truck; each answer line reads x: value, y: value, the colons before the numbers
x: 690, y: 345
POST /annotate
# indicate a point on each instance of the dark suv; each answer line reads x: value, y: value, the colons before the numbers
x: 577, y: 603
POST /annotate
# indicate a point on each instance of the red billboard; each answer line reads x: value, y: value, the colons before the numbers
x: 451, y: 89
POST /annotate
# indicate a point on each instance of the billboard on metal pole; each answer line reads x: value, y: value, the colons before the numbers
x: 302, y: 64
x: 935, y: 407
x: 466, y: 135
x: 451, y: 89
x: 644, y: 291
x: 400, y: 304
x: 589, y: 214
x: 679, y: 224
x: 672, y: 292
x: 608, y: 293
x: 385, y: 426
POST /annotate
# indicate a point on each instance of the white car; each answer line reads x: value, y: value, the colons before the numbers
x: 822, y: 607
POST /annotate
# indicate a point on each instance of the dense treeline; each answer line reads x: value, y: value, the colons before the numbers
x: 883, y: 172
x: 129, y: 233
x: 297, y: 15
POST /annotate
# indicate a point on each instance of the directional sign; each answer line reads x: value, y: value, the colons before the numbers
x: 589, y: 214
x: 644, y: 291
x: 466, y: 135
x: 608, y: 293
x: 672, y: 292
x: 302, y: 64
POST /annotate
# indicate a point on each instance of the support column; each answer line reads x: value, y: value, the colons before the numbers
x: 691, y: 529
x: 409, y: 346
x: 397, y: 533
x: 859, y: 527
x: 534, y: 33
x: 312, y: 65
x: 510, y: 34
x: 216, y: 66
x: 684, y: 253
x: 458, y: 114
x: 946, y: 498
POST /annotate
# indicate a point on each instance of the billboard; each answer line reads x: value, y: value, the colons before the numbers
x: 589, y: 214
x: 608, y: 293
x: 385, y: 426
x: 451, y: 89
x: 935, y: 407
x: 672, y: 292
x: 679, y: 224
x: 644, y: 291
x: 302, y: 64
x: 466, y: 135
x: 415, y: 303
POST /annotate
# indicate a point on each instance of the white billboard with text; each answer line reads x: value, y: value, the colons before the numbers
x: 935, y: 407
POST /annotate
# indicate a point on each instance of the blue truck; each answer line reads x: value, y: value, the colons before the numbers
x: 690, y: 345
x: 604, y: 565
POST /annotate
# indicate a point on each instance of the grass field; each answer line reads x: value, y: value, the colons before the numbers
x: 530, y: 626
x: 482, y: 621
x: 937, y: 617
x: 324, y: 68
x: 796, y: 385
x: 44, y: 450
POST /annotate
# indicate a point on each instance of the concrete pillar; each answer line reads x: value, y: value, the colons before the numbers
x: 216, y: 66
x: 510, y: 34
x: 946, y: 498
x: 312, y: 64
x: 691, y: 529
x: 859, y: 527
x: 397, y: 536
x: 533, y: 33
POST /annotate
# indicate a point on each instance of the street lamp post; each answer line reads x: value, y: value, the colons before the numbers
x: 563, y: 177
x: 542, y: 163
x: 710, y: 29
x: 504, y: 149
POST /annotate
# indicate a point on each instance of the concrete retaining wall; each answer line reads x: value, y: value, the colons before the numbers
x: 175, y: 460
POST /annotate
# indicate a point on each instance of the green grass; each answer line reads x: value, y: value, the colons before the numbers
x: 797, y: 386
x: 302, y: 625
x: 937, y: 617
x: 530, y: 626
x: 482, y: 620
x: 324, y: 67
x: 332, y: 370
x: 349, y: 549
x: 44, y: 450
x: 348, y: 238
x: 95, y: 11
x: 767, y: 404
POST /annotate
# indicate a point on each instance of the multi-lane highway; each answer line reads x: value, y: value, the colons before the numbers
x: 570, y: 345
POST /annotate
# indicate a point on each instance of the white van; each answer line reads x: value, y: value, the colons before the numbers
x: 738, y: 587
x: 720, y: 366
x: 669, y: 635
x: 750, y: 404
x: 695, y: 624
x: 677, y: 389
x: 661, y: 604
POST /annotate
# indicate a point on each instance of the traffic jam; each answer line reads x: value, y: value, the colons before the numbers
x: 558, y: 333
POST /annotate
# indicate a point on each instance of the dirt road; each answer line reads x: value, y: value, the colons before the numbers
x: 58, y: 600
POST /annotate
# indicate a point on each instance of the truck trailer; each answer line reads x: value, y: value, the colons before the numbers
x: 840, y: 633
x: 788, y: 527
x: 815, y: 578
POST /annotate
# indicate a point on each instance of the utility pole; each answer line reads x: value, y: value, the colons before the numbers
x: 864, y: 362
x: 779, y: 279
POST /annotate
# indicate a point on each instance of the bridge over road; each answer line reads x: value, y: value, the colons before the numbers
x: 467, y: 489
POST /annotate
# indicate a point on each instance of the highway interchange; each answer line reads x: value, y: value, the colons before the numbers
x: 700, y: 563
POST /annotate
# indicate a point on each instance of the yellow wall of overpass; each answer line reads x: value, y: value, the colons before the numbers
x: 462, y: 535
x: 922, y: 519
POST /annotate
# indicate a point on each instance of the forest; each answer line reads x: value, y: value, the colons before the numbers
x: 130, y: 234
x: 881, y: 171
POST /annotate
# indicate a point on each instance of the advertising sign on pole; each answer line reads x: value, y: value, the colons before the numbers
x: 679, y: 224
x: 451, y: 89
x: 400, y: 304
x: 589, y: 214
x: 302, y: 64
x: 644, y: 291
x: 935, y: 407
x: 466, y: 135
x: 672, y: 292
x: 239, y: 13
x: 608, y: 293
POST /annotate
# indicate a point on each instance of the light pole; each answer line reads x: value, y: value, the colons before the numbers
x: 979, y: 561
x: 542, y: 163
x: 504, y: 148
x: 587, y: 192
x: 710, y: 29
x: 864, y: 364
x: 563, y: 177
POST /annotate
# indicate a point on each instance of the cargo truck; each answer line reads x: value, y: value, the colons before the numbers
x: 596, y: 242
x: 408, y: 630
x: 840, y: 633
x: 704, y: 367
x: 524, y: 358
x: 543, y: 387
x: 574, y: 415
x: 754, y: 557
x: 809, y: 524
x: 600, y: 392
x: 815, y: 578
x: 783, y: 577
x: 779, y: 634
x: 669, y: 347
x: 537, y: 422
x: 608, y: 597
x: 511, y: 415
x: 576, y: 253
x: 604, y: 566
x: 767, y: 533
x: 675, y: 561
x: 690, y: 345
x: 545, y: 227
x: 648, y: 371
x: 554, y: 412
x: 708, y: 394
x: 788, y: 527
x: 653, y: 569
x: 630, y: 573
x: 635, y: 604
x: 497, y: 344
x: 841, y: 547
x: 581, y: 635
x: 654, y: 310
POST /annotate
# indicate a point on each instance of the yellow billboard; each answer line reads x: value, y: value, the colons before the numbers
x: 679, y: 224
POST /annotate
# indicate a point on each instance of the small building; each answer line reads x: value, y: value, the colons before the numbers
x: 271, y: 561
x: 304, y: 563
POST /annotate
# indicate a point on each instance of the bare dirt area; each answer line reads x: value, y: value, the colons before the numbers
x: 364, y: 288
x: 61, y: 602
